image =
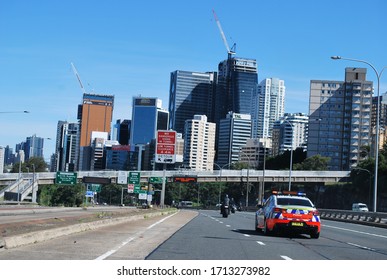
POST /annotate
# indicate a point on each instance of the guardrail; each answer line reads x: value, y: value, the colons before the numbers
x: 377, y: 219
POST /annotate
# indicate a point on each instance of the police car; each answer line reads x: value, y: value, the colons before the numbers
x: 288, y: 211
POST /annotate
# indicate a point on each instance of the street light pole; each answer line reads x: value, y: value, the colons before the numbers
x: 291, y: 157
x: 247, y: 187
x: 378, y: 74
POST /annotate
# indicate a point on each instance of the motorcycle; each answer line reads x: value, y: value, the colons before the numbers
x: 225, y: 211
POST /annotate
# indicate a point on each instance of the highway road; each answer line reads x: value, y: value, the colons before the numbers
x: 205, y: 235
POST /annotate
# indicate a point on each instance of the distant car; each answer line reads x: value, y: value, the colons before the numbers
x: 288, y: 211
x: 360, y: 207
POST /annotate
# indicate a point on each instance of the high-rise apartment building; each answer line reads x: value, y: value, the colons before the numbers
x: 190, y: 93
x: 255, y: 152
x: 237, y: 83
x: 289, y: 133
x: 340, y: 118
x: 199, y: 143
x: 2, y: 159
x: 66, y: 152
x: 268, y: 107
x: 234, y: 131
x: 148, y: 116
x: 382, y: 120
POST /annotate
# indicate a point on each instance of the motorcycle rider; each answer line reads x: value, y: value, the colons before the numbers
x: 226, y: 202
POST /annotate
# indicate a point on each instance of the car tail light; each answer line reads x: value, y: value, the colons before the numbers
x: 315, y: 212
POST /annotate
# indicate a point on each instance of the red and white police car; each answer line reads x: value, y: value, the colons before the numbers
x: 288, y: 211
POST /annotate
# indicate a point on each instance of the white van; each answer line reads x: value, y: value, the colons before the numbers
x: 360, y: 207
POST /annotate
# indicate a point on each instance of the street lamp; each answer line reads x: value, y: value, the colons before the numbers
x: 247, y: 183
x: 369, y: 172
x: 378, y: 74
x: 291, y: 156
x: 13, y: 112
x: 220, y: 185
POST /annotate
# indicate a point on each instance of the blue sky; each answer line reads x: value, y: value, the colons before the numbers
x: 129, y: 48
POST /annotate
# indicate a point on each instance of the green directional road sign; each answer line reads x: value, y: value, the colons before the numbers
x: 66, y: 178
x: 134, y: 179
x: 156, y: 180
x: 94, y: 187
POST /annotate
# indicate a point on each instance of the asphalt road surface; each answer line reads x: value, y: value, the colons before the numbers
x: 205, y: 235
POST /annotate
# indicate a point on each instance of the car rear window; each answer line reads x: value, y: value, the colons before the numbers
x: 293, y: 201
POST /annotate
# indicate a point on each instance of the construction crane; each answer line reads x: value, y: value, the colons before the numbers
x: 79, y: 79
x: 231, y: 51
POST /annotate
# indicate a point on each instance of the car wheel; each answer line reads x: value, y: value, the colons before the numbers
x: 315, y: 235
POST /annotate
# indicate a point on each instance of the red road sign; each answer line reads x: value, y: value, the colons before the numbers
x: 166, y: 137
x: 165, y: 146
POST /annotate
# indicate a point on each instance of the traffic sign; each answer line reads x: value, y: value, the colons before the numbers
x: 66, y: 178
x: 94, y: 187
x: 89, y: 194
x: 156, y: 180
x: 122, y: 177
x: 165, y: 146
x: 130, y: 188
x: 134, y: 178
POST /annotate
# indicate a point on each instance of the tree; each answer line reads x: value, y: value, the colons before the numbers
x: 316, y: 162
x: 282, y: 161
x: 28, y: 166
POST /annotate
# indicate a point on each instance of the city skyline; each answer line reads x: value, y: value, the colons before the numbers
x: 127, y: 50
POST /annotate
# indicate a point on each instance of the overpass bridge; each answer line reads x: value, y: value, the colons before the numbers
x: 26, y: 185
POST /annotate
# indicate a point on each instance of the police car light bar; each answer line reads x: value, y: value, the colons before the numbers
x: 288, y: 193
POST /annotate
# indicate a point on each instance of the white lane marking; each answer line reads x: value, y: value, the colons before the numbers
x: 246, y: 235
x: 286, y: 258
x: 261, y: 243
x: 359, y: 246
x: 228, y: 226
x: 357, y: 231
x: 115, y: 249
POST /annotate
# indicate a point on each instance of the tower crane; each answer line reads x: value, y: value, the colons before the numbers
x: 231, y: 51
x: 79, y: 79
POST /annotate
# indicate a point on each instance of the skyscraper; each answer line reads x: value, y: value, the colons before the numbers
x: 148, y: 116
x: 33, y: 147
x: 66, y: 152
x: 234, y: 131
x: 268, y: 107
x: 199, y: 143
x: 290, y: 133
x: 237, y: 83
x: 94, y: 114
x: 190, y: 93
x: 340, y: 118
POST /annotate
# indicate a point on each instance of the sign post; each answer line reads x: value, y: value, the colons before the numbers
x: 165, y: 153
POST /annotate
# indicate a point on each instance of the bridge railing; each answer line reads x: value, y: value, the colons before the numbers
x: 368, y: 218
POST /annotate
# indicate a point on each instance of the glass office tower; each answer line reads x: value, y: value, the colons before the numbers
x: 147, y: 118
x: 190, y: 93
x: 237, y: 83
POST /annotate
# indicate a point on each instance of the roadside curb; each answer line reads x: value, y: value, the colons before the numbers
x: 39, y: 236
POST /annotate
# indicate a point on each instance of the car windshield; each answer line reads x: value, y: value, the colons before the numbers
x: 293, y: 201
